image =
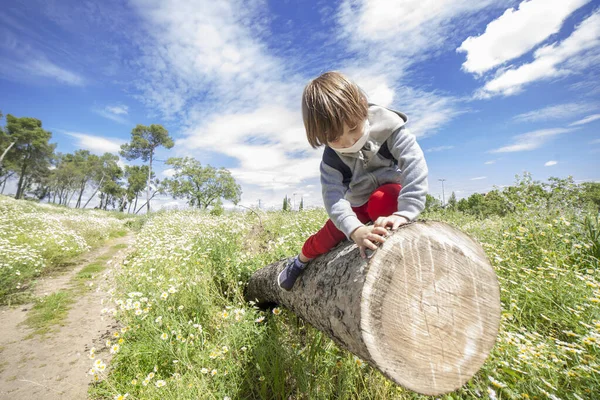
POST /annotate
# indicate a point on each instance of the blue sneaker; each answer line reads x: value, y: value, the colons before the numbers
x: 290, y: 273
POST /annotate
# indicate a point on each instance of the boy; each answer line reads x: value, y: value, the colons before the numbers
x: 372, y: 169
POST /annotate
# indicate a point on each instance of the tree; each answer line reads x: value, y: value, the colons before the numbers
x: 407, y: 315
x: 301, y: 204
x: 31, y: 153
x: 285, y: 203
x: 136, y: 182
x: 452, y: 202
x: 591, y: 193
x: 6, y: 170
x: 144, y: 142
x: 201, y: 186
x: 431, y: 203
x: 106, y: 169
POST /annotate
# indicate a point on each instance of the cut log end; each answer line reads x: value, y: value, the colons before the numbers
x: 430, y: 308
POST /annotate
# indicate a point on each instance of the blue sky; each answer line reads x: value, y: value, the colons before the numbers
x: 492, y: 88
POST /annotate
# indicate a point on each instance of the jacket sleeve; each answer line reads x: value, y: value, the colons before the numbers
x: 413, y: 178
x: 338, y: 208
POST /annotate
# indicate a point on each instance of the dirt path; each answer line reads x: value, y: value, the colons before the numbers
x: 55, y: 367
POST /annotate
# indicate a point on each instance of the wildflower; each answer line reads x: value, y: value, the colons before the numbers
x: 116, y: 334
x: 213, y: 372
x: 180, y: 308
x: 172, y: 290
x: 261, y: 378
x: 164, y: 295
x: 492, y: 394
x: 164, y: 336
x: 225, y: 349
x: 150, y: 375
x: 121, y: 341
x: 92, y: 353
x: 225, y: 314
x: 277, y: 311
x: 160, y: 383
x: 114, y: 349
x: 134, y: 382
x: 204, y: 370
x: 497, y: 383
x: 121, y: 396
x: 358, y: 362
x: 260, y: 319
x: 244, y: 348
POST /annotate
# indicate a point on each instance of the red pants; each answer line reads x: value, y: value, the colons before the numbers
x: 382, y: 203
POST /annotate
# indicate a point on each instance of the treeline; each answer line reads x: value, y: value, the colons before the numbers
x: 526, y: 193
x: 27, y: 156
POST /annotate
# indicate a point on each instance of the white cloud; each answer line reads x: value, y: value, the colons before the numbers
x: 586, y: 120
x: 213, y: 71
x: 516, y: 32
x: 478, y: 178
x: 411, y: 28
x: 595, y: 141
x: 45, y: 68
x: 531, y: 140
x: 558, y: 111
x: 438, y: 148
x: 168, y: 173
x: 550, y: 163
x: 117, y: 109
x: 115, y: 113
x: 97, y: 144
x: 551, y: 61
x: 490, y: 162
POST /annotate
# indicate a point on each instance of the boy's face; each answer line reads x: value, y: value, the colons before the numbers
x: 350, y: 135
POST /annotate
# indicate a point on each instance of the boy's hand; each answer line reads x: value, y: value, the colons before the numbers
x: 365, y: 236
x: 393, y: 220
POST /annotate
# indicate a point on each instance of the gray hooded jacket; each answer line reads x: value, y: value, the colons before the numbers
x: 369, y: 170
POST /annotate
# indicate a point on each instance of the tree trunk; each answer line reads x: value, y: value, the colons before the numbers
x: 96, y: 191
x: 83, y: 184
x: 20, y: 185
x: 6, y: 151
x: 424, y: 309
x: 148, y: 184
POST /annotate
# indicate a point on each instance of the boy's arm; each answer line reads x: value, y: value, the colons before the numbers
x: 338, y: 208
x: 411, y: 161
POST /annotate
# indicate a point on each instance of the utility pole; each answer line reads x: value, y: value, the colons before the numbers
x: 259, y: 204
x: 443, y: 196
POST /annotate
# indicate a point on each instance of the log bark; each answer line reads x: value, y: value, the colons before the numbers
x: 424, y: 309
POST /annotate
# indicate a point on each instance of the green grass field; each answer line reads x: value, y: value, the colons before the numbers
x: 38, y: 239
x: 187, y: 332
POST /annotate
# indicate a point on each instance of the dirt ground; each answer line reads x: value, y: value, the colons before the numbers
x: 56, y: 366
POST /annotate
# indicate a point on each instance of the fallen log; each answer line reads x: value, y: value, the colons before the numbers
x: 424, y: 309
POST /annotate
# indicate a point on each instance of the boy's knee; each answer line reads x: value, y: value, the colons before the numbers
x: 384, y: 201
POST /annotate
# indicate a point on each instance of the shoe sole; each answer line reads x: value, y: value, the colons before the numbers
x: 279, y: 281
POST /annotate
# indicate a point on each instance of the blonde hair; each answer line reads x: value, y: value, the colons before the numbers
x: 328, y: 102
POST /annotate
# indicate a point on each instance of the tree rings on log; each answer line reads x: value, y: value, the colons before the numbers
x: 430, y: 308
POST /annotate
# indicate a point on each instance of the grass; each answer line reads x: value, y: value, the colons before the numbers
x: 38, y: 239
x: 180, y: 299
x: 48, y: 312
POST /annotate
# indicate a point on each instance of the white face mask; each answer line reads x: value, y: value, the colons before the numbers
x: 359, y: 143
